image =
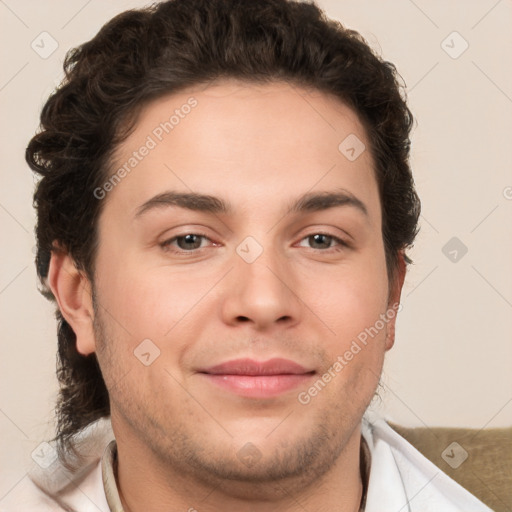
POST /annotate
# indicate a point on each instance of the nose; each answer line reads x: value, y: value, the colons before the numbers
x: 262, y: 293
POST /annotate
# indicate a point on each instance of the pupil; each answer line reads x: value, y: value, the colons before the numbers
x: 189, y: 240
x: 321, y: 240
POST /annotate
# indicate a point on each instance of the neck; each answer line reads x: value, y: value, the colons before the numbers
x: 145, y: 482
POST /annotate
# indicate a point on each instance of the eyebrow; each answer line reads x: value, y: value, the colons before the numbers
x: 309, y: 202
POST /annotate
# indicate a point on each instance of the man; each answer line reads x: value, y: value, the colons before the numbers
x: 223, y: 216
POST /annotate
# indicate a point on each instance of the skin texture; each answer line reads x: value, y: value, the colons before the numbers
x: 258, y: 147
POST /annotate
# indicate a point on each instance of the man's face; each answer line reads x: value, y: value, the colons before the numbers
x: 258, y: 282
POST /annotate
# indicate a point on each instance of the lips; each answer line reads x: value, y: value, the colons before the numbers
x: 257, y: 379
x: 274, y: 366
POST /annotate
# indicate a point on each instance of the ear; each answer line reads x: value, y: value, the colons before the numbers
x: 73, y: 292
x: 394, y: 300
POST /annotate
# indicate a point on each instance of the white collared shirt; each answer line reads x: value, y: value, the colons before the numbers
x: 401, y: 480
x: 404, y: 480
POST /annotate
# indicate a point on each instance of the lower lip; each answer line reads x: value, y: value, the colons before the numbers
x: 258, y: 386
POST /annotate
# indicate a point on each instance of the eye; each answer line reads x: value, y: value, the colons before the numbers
x: 322, y: 241
x: 186, y: 243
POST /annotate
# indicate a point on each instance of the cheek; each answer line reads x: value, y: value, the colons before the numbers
x: 149, y: 302
x: 348, y: 300
x: 352, y: 308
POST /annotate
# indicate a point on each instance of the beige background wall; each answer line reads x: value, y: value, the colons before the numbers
x: 451, y: 364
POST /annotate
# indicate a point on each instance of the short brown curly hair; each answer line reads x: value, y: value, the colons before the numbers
x: 142, y: 54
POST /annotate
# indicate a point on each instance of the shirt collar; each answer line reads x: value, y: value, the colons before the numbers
x: 108, y: 471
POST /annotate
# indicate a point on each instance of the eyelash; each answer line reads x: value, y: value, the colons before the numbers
x: 341, y: 244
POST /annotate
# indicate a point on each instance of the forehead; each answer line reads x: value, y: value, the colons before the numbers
x: 266, y: 143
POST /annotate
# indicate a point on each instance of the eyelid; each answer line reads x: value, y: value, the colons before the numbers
x: 328, y: 230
